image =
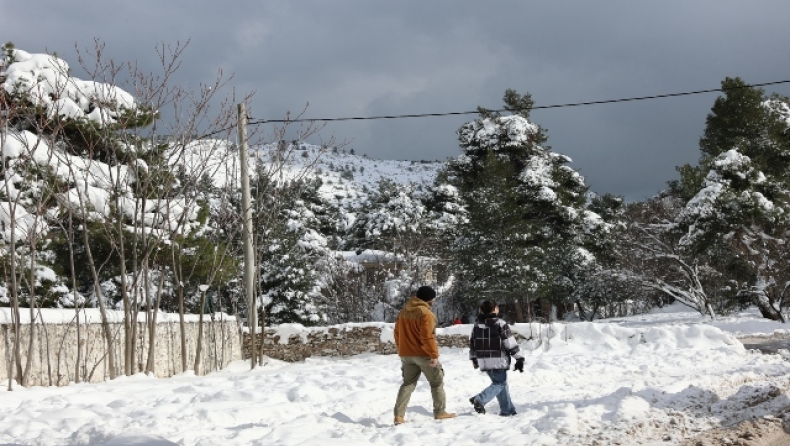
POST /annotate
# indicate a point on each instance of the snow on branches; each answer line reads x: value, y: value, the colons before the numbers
x: 44, y: 81
x: 498, y: 132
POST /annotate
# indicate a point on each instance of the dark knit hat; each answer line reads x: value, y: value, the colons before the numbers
x: 487, y: 307
x: 426, y: 293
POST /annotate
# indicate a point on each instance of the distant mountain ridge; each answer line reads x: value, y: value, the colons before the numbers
x: 348, y: 178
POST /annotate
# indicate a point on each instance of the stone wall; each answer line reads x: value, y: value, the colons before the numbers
x: 334, y: 341
x: 55, y: 350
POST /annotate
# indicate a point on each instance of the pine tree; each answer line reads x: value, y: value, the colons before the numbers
x: 291, y: 249
x: 394, y: 222
x: 392, y: 216
x: 747, y: 121
x: 523, y: 204
x: 742, y: 207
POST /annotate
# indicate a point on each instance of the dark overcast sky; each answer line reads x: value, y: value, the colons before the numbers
x: 367, y: 57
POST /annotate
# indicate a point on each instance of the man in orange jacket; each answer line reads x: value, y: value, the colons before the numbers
x: 415, y: 338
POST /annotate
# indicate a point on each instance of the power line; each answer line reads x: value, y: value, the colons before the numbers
x: 217, y: 132
x: 538, y: 107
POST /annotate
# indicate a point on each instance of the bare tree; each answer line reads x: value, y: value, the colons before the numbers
x: 769, y: 257
x: 190, y: 112
x: 10, y: 214
x: 30, y: 137
x: 658, y: 262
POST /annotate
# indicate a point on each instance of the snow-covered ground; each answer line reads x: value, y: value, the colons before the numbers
x: 652, y: 379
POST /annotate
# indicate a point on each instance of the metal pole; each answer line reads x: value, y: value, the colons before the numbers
x: 249, y: 255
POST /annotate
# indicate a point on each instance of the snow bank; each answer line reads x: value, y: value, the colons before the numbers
x: 591, y: 337
x: 582, y: 338
x: 585, y: 338
x: 745, y: 323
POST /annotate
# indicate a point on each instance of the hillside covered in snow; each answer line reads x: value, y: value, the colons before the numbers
x: 347, y: 179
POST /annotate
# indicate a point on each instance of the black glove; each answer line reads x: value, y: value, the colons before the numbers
x: 474, y: 363
x: 519, y: 365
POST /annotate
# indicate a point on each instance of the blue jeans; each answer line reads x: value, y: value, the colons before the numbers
x: 498, y: 389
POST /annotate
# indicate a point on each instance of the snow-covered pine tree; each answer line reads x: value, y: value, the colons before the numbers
x: 590, y: 275
x: 742, y: 208
x: 394, y: 223
x: 292, y: 253
x: 524, y: 204
x: 446, y: 214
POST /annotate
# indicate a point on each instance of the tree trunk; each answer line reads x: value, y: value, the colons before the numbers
x: 710, y: 311
x: 582, y: 313
x: 178, y: 276
x: 46, y: 341
x: 150, y: 364
x: 8, y: 357
x: 519, y: 310
x: 200, y: 333
x: 102, y: 309
x: 768, y: 311
x: 17, y: 324
x: 15, y: 314
x: 261, y: 345
x: 32, y: 305
x: 128, y: 323
x: 529, y: 310
x: 78, y: 361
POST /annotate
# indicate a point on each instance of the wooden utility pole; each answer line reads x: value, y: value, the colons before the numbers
x: 249, y: 254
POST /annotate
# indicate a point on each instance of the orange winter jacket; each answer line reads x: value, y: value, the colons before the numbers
x: 415, y: 330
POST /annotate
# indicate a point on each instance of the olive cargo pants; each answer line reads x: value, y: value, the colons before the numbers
x: 411, y: 367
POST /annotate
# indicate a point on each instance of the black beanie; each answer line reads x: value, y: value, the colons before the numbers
x: 426, y: 293
x: 487, y: 307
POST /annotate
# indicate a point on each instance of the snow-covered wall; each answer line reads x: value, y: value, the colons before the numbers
x: 55, y: 350
x: 294, y: 342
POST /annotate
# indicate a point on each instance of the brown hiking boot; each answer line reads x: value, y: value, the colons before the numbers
x: 443, y: 416
x: 399, y: 420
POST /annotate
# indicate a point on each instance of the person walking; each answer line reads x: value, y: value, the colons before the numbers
x: 491, y: 345
x: 415, y: 339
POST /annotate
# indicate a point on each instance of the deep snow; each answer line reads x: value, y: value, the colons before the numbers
x: 652, y: 379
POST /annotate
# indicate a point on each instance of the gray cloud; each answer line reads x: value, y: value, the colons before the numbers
x: 353, y: 58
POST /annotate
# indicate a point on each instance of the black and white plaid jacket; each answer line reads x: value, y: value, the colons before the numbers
x: 492, y: 344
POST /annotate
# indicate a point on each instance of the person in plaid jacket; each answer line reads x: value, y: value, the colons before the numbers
x: 491, y: 345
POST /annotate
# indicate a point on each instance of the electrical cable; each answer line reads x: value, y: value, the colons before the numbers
x: 537, y: 107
